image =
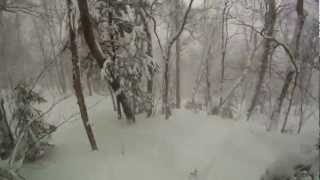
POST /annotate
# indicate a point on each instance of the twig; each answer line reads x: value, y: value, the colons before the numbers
x: 46, y: 67
x: 154, y: 29
x: 26, y: 128
x: 176, y: 36
x: 69, y: 119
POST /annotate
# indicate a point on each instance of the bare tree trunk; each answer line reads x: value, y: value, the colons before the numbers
x: 178, y: 82
x: 150, y: 54
x: 62, y: 76
x: 277, y: 110
x: 166, y: 89
x: 207, y: 59
x: 77, y: 81
x: 204, y: 68
x: 302, y: 83
x: 112, y: 98
x: 208, y: 85
x: 296, y: 47
x: 297, y: 36
x: 166, y: 58
x: 223, y: 50
x: 270, y: 20
x: 89, y: 85
x: 178, y: 49
x: 89, y: 79
x: 118, y: 107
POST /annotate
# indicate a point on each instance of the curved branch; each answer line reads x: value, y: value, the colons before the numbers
x: 89, y: 33
x: 176, y: 36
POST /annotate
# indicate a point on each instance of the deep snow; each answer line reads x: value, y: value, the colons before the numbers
x: 188, y: 146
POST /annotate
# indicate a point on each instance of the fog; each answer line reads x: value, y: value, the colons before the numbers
x: 247, y: 68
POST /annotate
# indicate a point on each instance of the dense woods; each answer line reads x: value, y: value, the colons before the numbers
x: 249, y: 61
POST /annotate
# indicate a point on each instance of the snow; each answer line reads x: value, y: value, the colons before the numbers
x: 188, y: 146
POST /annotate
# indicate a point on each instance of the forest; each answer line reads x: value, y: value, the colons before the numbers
x: 159, y: 90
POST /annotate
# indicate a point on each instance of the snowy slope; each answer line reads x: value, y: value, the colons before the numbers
x: 188, y: 146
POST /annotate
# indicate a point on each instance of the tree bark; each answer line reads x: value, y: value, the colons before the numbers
x: 77, y: 81
x: 178, y: 49
x: 208, y: 43
x: 62, y: 76
x: 277, y: 110
x: 167, y: 109
x: 270, y: 20
x: 302, y: 79
x: 223, y: 50
x: 89, y: 79
x: 150, y: 54
x: 112, y: 98
x: 296, y: 55
x: 166, y: 58
x: 89, y: 34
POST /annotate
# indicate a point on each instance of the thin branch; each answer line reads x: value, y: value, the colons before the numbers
x: 278, y: 43
x: 176, y: 36
x: 46, y: 67
x: 154, y: 29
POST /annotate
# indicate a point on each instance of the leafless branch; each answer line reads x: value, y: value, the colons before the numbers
x: 184, y: 21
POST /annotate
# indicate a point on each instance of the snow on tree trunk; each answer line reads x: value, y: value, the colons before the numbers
x: 77, y: 81
x: 100, y: 57
x: 149, y: 52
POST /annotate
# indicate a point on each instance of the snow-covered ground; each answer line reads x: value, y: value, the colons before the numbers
x: 186, y: 147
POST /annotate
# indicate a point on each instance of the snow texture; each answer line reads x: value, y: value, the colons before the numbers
x: 188, y: 146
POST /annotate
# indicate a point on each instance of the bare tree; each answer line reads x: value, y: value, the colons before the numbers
x: 166, y: 58
x: 6, y: 136
x: 224, y: 44
x: 207, y: 51
x: 149, y: 52
x: 295, y: 48
x: 76, y: 79
x: 303, y: 68
x: 269, y: 23
x: 277, y: 110
x: 178, y: 49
